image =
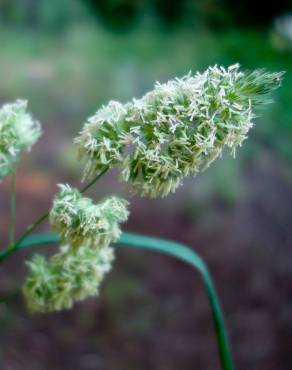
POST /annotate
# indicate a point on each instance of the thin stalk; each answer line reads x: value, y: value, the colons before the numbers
x: 14, y: 246
x: 30, y: 229
x: 12, y: 208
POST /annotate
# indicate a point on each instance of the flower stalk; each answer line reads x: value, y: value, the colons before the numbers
x: 12, y: 247
x: 12, y: 207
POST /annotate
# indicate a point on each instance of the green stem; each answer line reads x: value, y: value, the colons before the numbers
x: 189, y: 256
x: 12, y: 208
x: 14, y: 246
x: 176, y: 250
x: 93, y: 181
x: 30, y: 229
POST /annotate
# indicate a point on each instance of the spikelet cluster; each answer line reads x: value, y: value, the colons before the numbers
x: 75, y: 273
x: 176, y: 130
x: 69, y: 276
x: 18, y: 132
x: 80, y: 222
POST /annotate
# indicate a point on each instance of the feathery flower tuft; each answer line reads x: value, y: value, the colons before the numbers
x: 80, y: 222
x: 75, y: 273
x: 69, y: 276
x: 18, y: 132
x: 176, y: 130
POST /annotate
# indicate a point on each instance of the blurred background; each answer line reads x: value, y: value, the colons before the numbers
x: 68, y: 58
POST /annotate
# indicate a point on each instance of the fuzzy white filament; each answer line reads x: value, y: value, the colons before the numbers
x: 69, y: 276
x: 176, y: 130
x: 80, y: 222
x: 75, y: 273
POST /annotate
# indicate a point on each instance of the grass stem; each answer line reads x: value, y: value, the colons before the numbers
x: 13, y: 246
x: 12, y: 208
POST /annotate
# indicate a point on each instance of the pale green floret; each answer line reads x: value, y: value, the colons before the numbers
x: 80, y: 222
x: 76, y: 272
x: 18, y: 132
x: 176, y: 130
x: 102, y: 135
x: 69, y: 276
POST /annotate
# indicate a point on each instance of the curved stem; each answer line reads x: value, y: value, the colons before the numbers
x: 34, y: 240
x: 189, y: 256
x: 14, y: 246
x: 173, y: 249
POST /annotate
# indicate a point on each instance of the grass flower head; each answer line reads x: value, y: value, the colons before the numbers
x: 80, y: 222
x: 18, y: 132
x: 69, y: 276
x: 176, y: 130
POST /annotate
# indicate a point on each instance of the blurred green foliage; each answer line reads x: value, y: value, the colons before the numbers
x: 73, y: 74
x: 61, y: 57
x: 49, y: 16
x: 55, y: 15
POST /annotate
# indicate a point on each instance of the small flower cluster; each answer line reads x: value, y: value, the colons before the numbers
x: 86, y: 231
x: 172, y: 132
x: 176, y: 130
x: 69, y: 276
x: 18, y: 131
x: 80, y: 222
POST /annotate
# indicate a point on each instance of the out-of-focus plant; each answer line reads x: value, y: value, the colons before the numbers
x: 18, y: 132
x: 176, y: 130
